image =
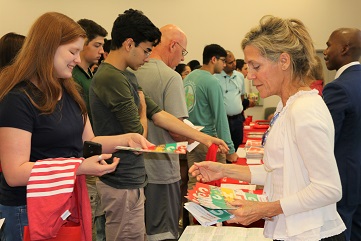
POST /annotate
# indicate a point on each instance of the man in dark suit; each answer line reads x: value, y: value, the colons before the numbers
x: 343, y: 98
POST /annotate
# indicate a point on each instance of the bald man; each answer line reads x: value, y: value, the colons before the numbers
x: 165, y: 87
x: 343, y: 98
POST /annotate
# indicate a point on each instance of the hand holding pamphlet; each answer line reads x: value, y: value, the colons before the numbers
x: 209, y: 203
x: 170, y: 148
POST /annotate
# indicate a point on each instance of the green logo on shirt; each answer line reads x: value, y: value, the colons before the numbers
x: 189, y: 89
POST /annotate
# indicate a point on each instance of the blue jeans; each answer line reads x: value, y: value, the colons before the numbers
x: 15, y: 219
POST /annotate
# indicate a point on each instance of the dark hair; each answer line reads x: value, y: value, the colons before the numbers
x: 213, y: 50
x: 10, y: 44
x: 106, y: 48
x: 106, y: 45
x: 92, y: 29
x: 134, y: 24
x: 180, y: 68
x: 194, y: 64
x: 240, y: 63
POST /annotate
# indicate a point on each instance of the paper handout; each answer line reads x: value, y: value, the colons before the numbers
x: 170, y: 148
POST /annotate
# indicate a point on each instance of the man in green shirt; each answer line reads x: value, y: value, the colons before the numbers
x: 205, y: 105
x: 91, y: 53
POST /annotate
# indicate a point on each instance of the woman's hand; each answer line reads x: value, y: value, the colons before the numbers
x: 251, y: 211
x: 97, y: 166
x: 207, y: 171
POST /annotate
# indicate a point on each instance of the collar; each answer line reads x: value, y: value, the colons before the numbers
x: 224, y: 75
x: 343, y: 68
x: 88, y: 73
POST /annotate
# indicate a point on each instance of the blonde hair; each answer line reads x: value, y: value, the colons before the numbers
x: 274, y: 36
x: 36, y: 60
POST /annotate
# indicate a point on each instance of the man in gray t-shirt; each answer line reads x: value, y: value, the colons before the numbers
x: 165, y: 87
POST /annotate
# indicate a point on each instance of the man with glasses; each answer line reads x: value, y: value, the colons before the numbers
x: 205, y: 105
x: 232, y: 83
x: 165, y: 86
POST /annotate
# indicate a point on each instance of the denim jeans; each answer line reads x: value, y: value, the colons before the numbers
x: 15, y: 219
x: 236, y: 129
x: 100, y: 227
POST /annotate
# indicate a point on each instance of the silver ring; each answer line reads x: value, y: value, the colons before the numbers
x: 100, y: 158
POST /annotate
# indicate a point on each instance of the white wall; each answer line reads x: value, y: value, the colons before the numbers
x: 204, y: 21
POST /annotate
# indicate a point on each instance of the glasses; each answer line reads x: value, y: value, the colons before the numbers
x: 265, y: 135
x: 147, y: 51
x: 184, y: 51
x: 222, y: 59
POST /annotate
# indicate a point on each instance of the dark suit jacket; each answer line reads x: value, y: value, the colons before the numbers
x: 343, y: 98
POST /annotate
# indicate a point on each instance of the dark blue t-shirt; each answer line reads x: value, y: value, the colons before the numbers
x: 58, y: 134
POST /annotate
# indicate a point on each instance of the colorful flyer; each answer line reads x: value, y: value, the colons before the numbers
x: 206, y: 216
x: 170, y: 148
x: 219, y: 197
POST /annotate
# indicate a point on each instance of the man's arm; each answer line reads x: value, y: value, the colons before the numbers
x: 179, y: 138
x: 143, y: 113
x: 337, y: 102
x: 216, y: 104
x: 171, y: 123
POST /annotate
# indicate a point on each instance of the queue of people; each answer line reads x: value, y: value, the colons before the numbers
x: 139, y: 96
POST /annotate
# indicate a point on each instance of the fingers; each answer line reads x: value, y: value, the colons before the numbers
x: 115, y: 162
x: 202, y: 179
x: 223, y: 149
x: 143, y: 142
x: 148, y: 144
x: 104, y: 157
x: 103, y: 162
x: 237, y: 203
x: 193, y: 168
x: 233, y: 220
x: 109, y: 168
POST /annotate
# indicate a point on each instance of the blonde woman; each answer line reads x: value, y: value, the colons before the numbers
x: 299, y: 174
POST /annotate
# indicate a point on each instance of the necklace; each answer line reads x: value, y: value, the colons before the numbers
x: 265, y: 135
